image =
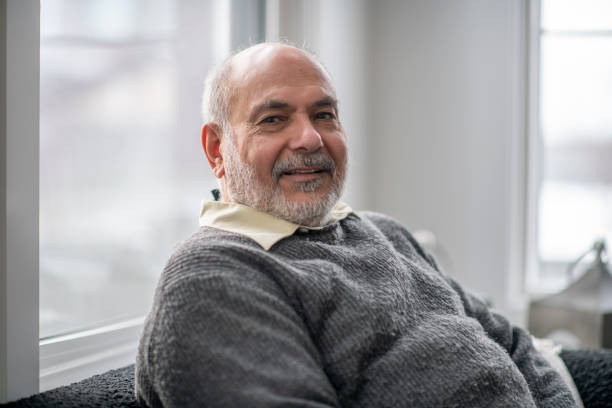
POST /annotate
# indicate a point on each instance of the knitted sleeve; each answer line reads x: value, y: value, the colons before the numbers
x: 545, y: 384
x: 224, y: 335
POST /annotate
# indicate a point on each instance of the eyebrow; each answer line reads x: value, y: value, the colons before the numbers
x: 267, y: 105
x: 276, y: 104
x: 327, y: 101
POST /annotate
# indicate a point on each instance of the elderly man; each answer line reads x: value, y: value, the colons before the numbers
x: 286, y: 297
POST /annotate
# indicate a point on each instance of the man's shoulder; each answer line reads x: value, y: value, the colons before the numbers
x: 397, y: 234
x: 381, y: 221
x: 209, y: 249
x: 209, y: 239
x: 375, y: 216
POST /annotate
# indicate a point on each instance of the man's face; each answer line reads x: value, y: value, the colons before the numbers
x: 287, y: 154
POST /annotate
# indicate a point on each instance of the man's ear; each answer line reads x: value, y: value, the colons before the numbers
x: 211, y: 143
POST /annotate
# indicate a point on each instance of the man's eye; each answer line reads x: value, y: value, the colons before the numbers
x: 271, y: 119
x: 325, y: 115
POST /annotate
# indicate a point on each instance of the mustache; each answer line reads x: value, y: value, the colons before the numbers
x: 320, y: 160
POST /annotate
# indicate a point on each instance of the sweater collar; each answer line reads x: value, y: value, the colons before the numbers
x: 261, y: 227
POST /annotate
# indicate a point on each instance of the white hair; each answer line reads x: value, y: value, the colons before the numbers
x: 216, y: 96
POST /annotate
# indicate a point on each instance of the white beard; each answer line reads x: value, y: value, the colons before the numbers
x: 244, y: 187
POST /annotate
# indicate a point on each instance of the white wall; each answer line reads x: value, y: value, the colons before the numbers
x: 446, y: 130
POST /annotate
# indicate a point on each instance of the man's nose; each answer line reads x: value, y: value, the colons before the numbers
x: 305, y: 136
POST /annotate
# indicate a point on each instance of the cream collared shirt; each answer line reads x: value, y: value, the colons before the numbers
x: 261, y: 227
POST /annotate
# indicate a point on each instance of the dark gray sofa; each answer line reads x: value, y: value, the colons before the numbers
x: 591, y: 370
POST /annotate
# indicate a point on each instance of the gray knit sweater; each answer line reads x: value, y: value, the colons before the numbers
x: 353, y: 315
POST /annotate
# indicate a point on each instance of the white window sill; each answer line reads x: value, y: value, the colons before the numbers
x: 74, y: 357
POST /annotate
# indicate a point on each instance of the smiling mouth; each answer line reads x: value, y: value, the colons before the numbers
x: 304, y: 175
x: 304, y: 167
x: 292, y: 172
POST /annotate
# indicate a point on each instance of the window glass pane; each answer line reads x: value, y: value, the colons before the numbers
x: 575, y: 197
x: 107, y: 20
x: 572, y: 15
x: 576, y: 88
x: 572, y: 216
x: 121, y: 167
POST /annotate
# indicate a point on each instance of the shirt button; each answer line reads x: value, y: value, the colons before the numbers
x: 303, y: 229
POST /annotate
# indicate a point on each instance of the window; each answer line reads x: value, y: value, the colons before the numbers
x: 115, y: 76
x: 575, y: 176
x: 121, y: 168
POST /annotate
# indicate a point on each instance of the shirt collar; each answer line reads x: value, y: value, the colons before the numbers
x: 263, y: 228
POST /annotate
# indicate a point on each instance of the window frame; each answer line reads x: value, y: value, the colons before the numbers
x: 534, y: 145
x: 19, y: 181
x: 535, y: 286
x: 68, y: 358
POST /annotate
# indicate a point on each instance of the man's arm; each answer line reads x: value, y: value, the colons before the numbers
x: 229, y: 338
x: 545, y: 384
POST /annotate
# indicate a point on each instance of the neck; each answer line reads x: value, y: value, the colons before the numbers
x: 295, y: 217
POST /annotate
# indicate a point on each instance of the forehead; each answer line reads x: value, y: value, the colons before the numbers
x: 261, y: 72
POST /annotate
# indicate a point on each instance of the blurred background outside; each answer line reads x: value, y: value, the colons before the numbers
x: 121, y: 169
